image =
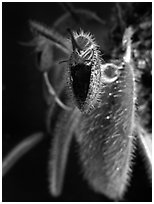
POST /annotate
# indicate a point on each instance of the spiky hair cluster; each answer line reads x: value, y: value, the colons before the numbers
x: 86, y: 35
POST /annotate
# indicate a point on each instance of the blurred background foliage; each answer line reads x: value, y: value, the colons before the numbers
x: 23, y: 105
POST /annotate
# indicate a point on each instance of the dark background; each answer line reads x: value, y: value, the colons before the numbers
x: 23, y: 113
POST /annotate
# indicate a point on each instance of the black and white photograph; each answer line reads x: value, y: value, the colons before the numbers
x: 77, y: 101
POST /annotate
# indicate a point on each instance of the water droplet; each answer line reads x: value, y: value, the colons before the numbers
x: 120, y: 90
x: 108, y: 117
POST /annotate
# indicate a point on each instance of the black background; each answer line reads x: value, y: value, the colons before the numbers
x: 24, y: 113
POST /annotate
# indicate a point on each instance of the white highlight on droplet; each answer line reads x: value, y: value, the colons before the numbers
x: 108, y: 117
